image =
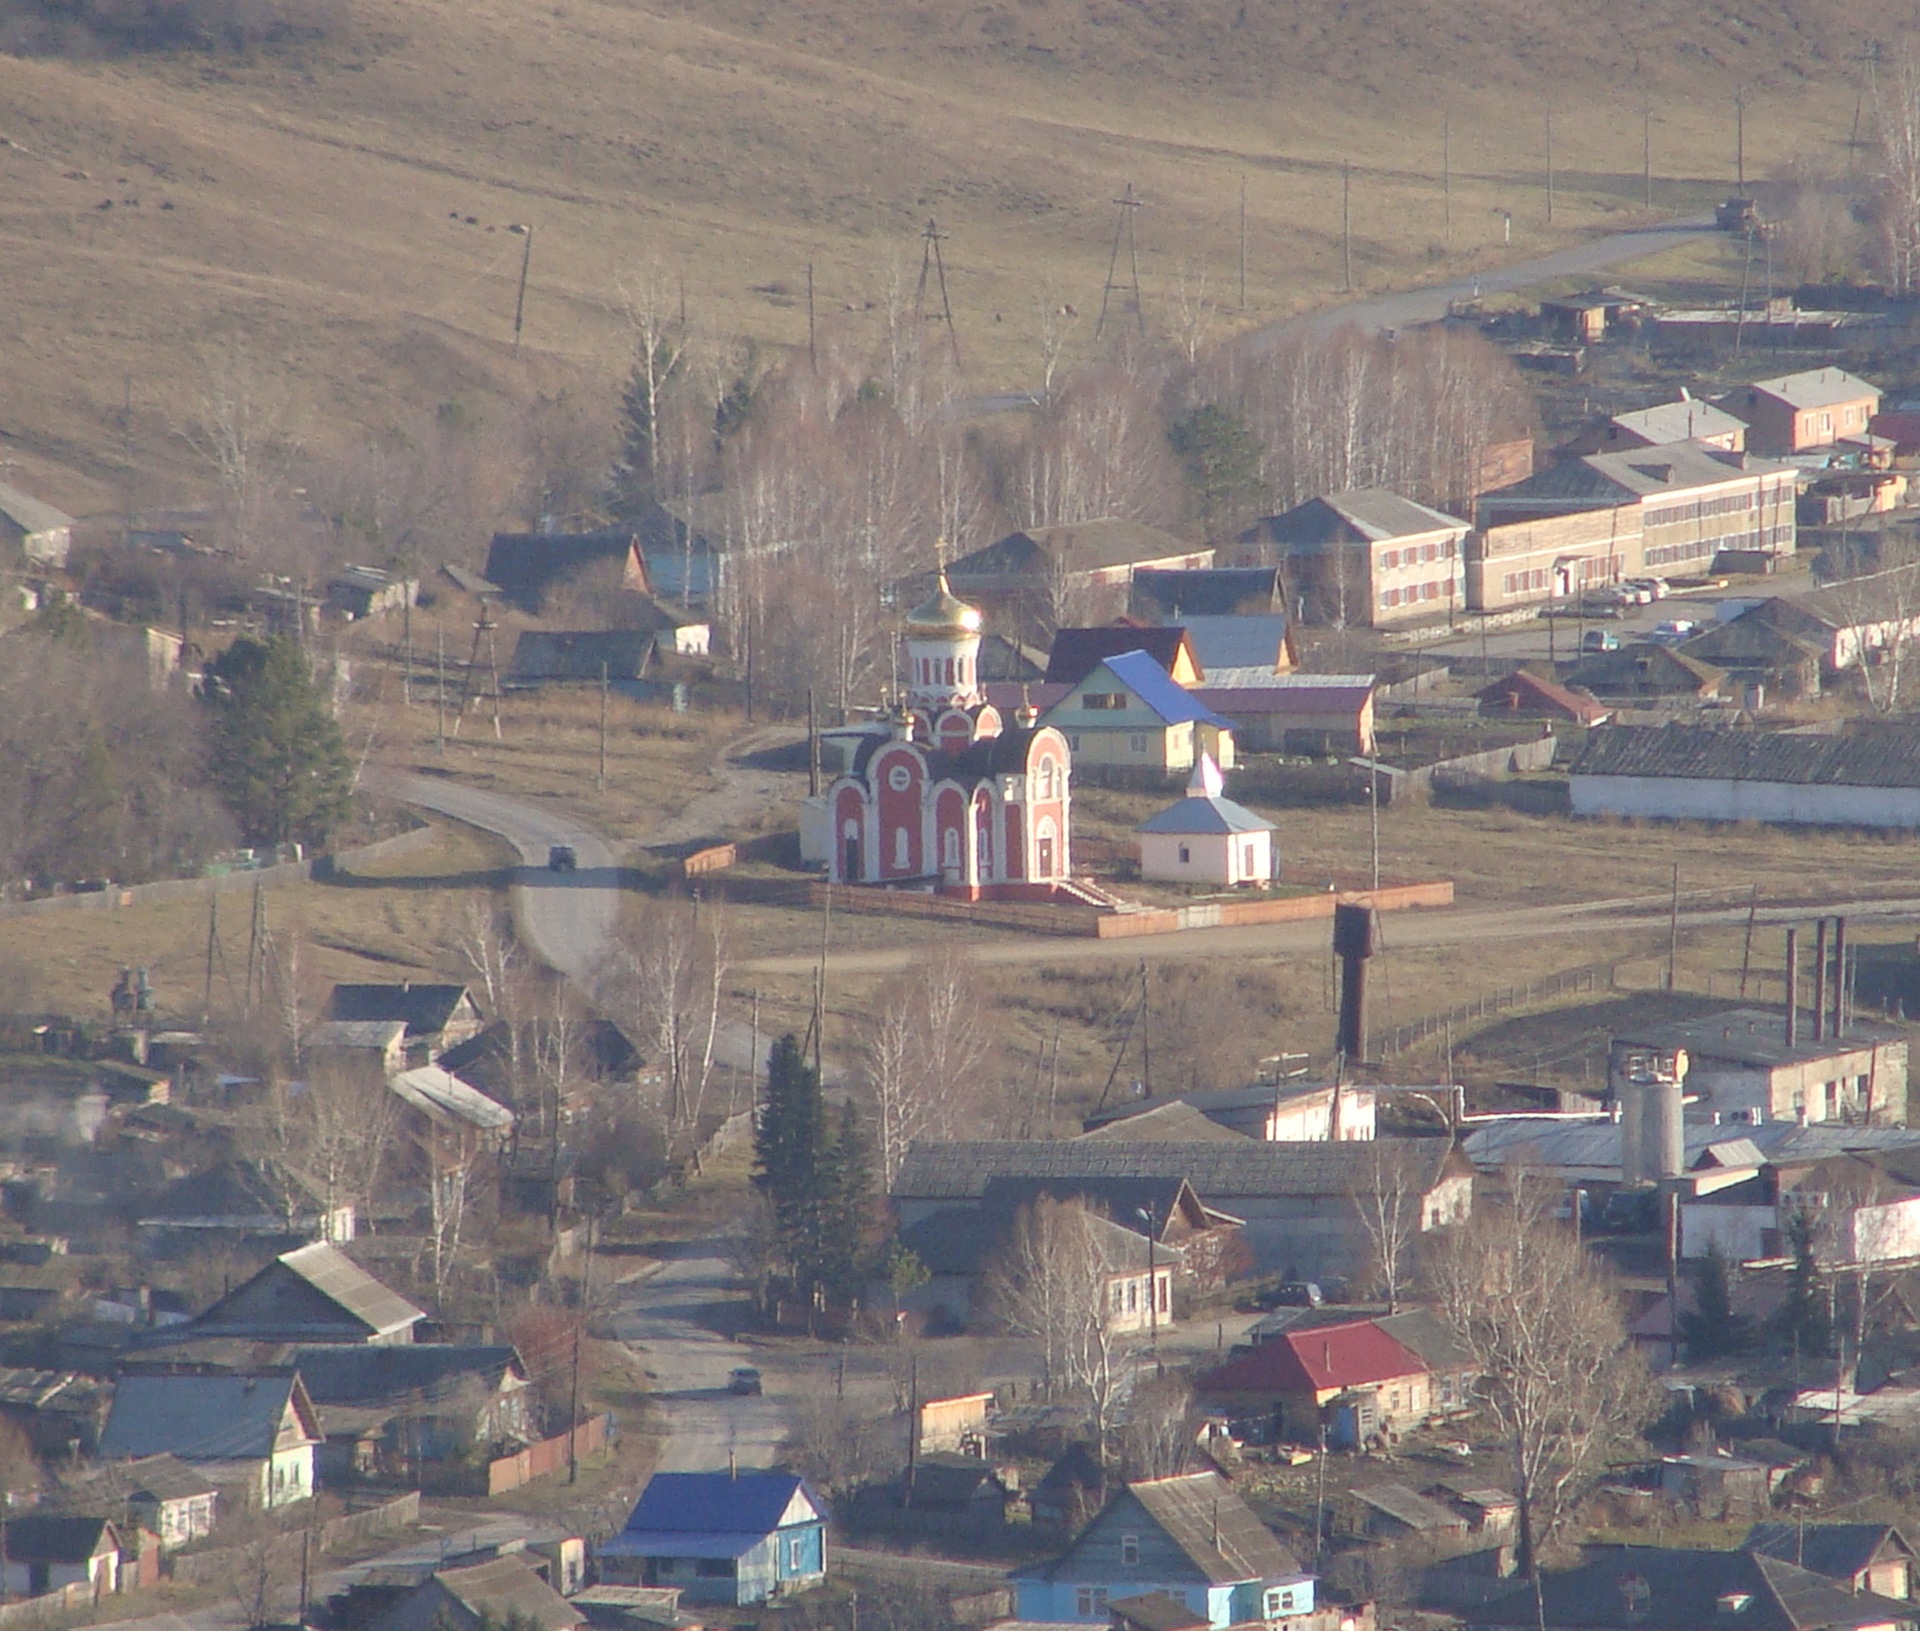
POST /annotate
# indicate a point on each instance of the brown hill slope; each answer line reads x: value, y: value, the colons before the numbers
x: 320, y: 206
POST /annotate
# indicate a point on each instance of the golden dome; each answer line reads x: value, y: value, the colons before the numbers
x: 944, y: 614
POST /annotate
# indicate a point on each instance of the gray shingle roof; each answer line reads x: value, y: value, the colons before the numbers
x: 1363, y: 515
x: 961, y: 1171
x: 1204, y: 1516
x: 1817, y: 388
x: 1199, y: 813
x: 389, y: 1373
x: 1885, y: 756
x: 424, y: 1008
x: 1411, y: 1508
x: 1840, y: 1551
x: 198, y: 1418
x: 336, y: 1276
x: 1685, y: 420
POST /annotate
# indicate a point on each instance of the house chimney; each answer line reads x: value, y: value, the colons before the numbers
x: 1793, y: 986
x: 1819, y: 979
x: 1838, y: 1021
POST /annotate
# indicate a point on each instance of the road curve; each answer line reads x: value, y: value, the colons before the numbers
x: 565, y: 918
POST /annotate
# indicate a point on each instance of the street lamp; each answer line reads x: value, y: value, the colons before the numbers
x: 1153, y: 1284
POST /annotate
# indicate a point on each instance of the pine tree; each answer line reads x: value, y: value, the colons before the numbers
x: 1222, y: 462
x: 789, y: 1144
x: 846, y: 1198
x: 279, y: 763
x: 1713, y: 1328
x: 1803, y: 1313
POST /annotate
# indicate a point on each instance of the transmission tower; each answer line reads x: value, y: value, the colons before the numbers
x: 1123, y: 229
x: 931, y: 260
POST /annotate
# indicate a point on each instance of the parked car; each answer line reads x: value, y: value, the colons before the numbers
x: 1299, y: 1294
x: 561, y: 858
x: 743, y: 1379
x: 1656, y: 588
x: 1609, y: 596
x: 1599, y: 640
x: 1673, y: 631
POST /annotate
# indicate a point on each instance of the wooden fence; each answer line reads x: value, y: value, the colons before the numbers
x: 549, y: 1456
x: 1512, y: 998
x: 227, y: 1563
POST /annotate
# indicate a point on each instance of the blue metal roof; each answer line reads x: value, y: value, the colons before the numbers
x: 716, y: 1503
x: 1154, y: 686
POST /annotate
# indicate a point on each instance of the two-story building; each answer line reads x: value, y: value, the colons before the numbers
x: 1366, y: 558
x: 1600, y: 517
x: 1796, y: 413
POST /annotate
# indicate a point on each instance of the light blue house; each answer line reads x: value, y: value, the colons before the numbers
x: 721, y: 1538
x: 1191, y: 1537
x: 1129, y: 714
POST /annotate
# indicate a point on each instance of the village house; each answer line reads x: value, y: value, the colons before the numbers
x: 1206, y: 838
x: 1394, y: 1511
x: 378, y: 1044
x: 949, y: 796
x: 1524, y: 693
x: 529, y: 567
x: 42, y: 534
x: 243, y: 1199
x: 499, y: 1591
x: 630, y: 661
x: 961, y: 1250
x: 1033, y: 581
x: 1277, y: 1109
x: 1070, y: 1491
x: 1797, y: 412
x: 254, y: 1434
x: 1366, y: 558
x: 1763, y: 660
x: 48, y: 1551
x: 1076, y: 653
x: 1688, y: 420
x: 1293, y: 712
x: 447, y: 1111
x: 1191, y: 1537
x: 1854, y: 623
x: 965, y: 1494
x: 1869, y: 1557
x: 1620, y: 1587
x: 1169, y: 596
x: 168, y: 1498
x: 1647, y: 675
x: 1300, y: 1218
x: 386, y: 1409
x: 1597, y: 518
x: 359, y: 592
x: 721, y: 1538
x: 311, y: 1295
x: 1350, y: 1380
x: 1129, y: 716
x: 437, y: 1017
x: 1263, y: 642
x: 1869, y: 777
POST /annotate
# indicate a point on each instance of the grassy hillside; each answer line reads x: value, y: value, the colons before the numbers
x: 345, y: 208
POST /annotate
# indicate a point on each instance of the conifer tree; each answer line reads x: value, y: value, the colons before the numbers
x: 847, y: 1193
x: 789, y: 1143
x: 279, y: 763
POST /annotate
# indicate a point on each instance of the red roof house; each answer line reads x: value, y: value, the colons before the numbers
x: 1297, y: 1380
x: 1524, y: 692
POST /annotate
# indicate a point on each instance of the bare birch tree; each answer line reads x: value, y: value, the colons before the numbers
x: 1388, y: 1198
x: 1897, y: 119
x: 668, y: 982
x: 925, y: 1055
x: 1557, y: 1378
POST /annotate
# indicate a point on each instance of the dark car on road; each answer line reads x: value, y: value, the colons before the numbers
x: 560, y: 858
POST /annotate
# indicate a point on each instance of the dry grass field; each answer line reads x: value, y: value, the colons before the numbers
x: 343, y: 207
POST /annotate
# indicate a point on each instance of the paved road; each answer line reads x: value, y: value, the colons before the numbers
x: 1426, y: 305
x: 566, y: 918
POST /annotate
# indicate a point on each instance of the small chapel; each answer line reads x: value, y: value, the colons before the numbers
x: 950, y: 796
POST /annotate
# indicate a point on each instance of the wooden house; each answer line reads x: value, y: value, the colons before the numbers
x: 529, y: 567
x: 1350, y: 1380
x: 314, y: 1294
x: 500, y: 1591
x: 1872, y: 1557
x: 45, y: 1552
x: 721, y: 1538
x: 1128, y: 715
x: 168, y: 1498
x: 437, y: 1017
x: 1191, y: 1537
x: 42, y: 534
x: 1075, y: 653
x: 255, y: 1433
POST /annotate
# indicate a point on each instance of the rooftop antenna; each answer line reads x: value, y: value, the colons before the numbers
x: 931, y: 260
x: 1128, y: 204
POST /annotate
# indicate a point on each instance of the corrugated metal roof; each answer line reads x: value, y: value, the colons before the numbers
x: 1205, y: 1517
x: 30, y: 514
x: 689, y: 1503
x: 1155, y: 687
x: 1411, y: 1508
x: 507, y: 1591
x: 1884, y: 756
x: 1200, y: 814
x: 1260, y: 690
x: 199, y: 1418
x: 1217, y: 1170
x: 443, y: 1097
x: 341, y: 1280
x: 424, y: 1009
x: 1237, y: 642
x: 1354, y: 1354
x: 1361, y: 515
x: 545, y: 654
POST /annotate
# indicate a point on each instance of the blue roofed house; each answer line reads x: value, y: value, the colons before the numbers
x: 1191, y: 1537
x: 721, y: 1538
x: 1128, y: 714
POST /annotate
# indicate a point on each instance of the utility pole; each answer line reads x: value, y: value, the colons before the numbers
x: 440, y: 689
x: 813, y: 352
x: 573, y: 1405
x: 1740, y: 141
x: 1549, y: 167
x: 1243, y: 243
x: 1146, y: 1040
x: 1673, y: 934
x: 1129, y: 206
x: 520, y: 299
x: 213, y: 943
x: 1373, y: 810
x: 1646, y: 157
x: 1446, y: 172
x: 1746, y: 951
x: 931, y: 260
x: 601, y: 780
x: 1346, y: 225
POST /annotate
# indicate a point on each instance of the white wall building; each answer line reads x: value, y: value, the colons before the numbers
x: 1206, y: 838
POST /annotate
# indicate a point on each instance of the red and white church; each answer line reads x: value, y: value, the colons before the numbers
x: 951, y: 796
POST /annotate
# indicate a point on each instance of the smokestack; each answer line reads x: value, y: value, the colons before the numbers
x: 1839, y: 1022
x: 1819, y: 979
x: 1353, y: 936
x: 1793, y: 986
